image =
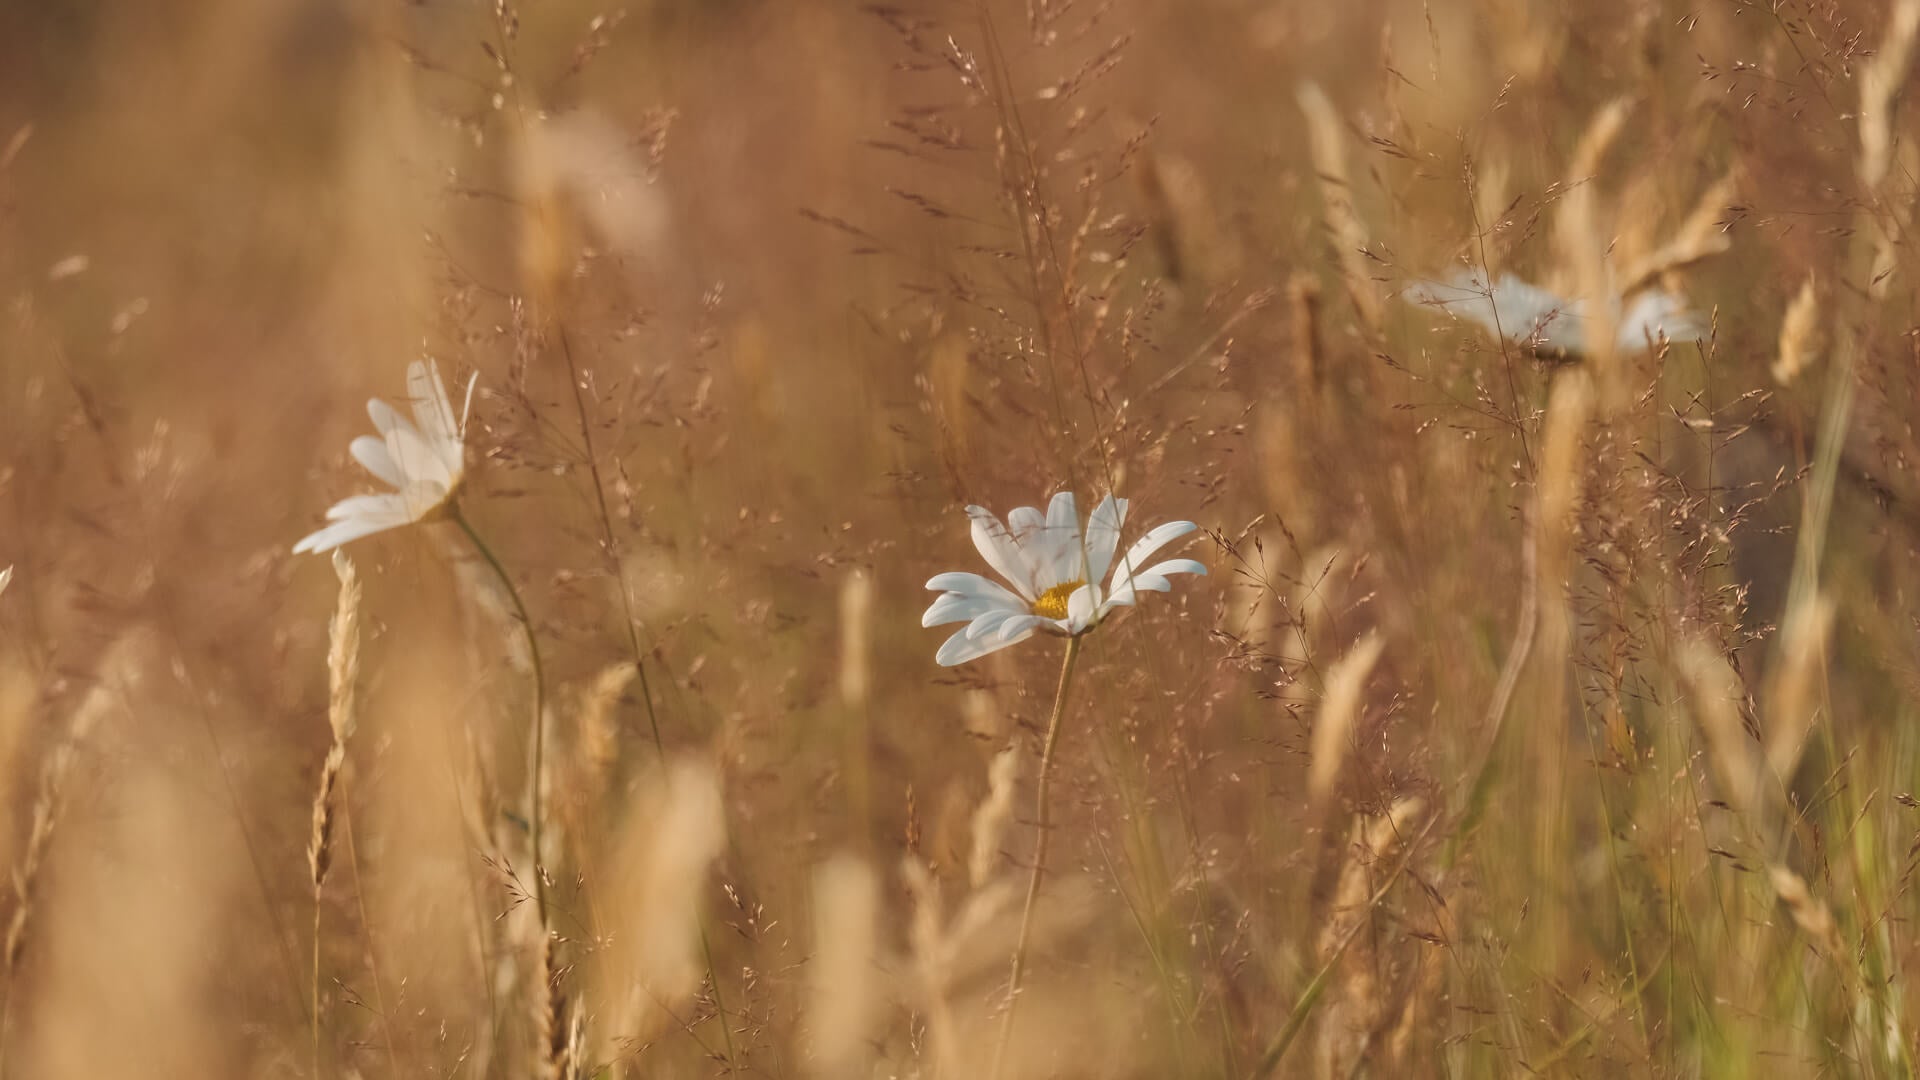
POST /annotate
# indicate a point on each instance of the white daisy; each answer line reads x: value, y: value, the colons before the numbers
x: 1545, y: 322
x: 1055, y: 572
x: 424, y: 458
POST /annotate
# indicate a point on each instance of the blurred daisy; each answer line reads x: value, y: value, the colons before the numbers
x: 424, y: 458
x: 1548, y: 323
x: 1055, y: 569
x: 6, y: 578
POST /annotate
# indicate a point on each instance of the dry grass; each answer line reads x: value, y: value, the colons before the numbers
x: 1540, y: 715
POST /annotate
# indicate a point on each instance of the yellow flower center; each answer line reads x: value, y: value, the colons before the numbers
x: 1053, y: 603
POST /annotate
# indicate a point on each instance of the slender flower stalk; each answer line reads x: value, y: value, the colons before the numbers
x: 1042, y: 821
x: 539, y: 701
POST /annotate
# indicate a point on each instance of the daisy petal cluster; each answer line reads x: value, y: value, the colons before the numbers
x: 423, y: 459
x: 1054, y: 568
x: 1547, y: 322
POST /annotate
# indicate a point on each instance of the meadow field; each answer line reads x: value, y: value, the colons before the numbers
x: 1516, y: 398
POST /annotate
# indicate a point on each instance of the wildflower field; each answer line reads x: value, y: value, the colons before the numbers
x: 959, y: 539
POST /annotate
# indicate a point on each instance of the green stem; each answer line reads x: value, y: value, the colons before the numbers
x: 1041, y: 816
x: 539, y: 703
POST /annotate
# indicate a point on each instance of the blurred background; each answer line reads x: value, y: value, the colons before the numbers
x: 1541, y: 714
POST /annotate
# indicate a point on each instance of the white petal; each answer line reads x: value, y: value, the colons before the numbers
x: 1016, y: 627
x: 1103, y: 536
x: 417, y: 458
x: 343, y: 532
x: 378, y: 507
x: 973, y: 585
x: 1511, y: 308
x: 431, y: 409
x: 385, y: 418
x: 991, y: 622
x: 1156, y: 538
x: 998, y: 547
x: 959, y: 649
x: 1027, y: 526
x: 1083, y: 606
x: 6, y: 578
x: 964, y: 607
x: 1056, y: 553
x: 1175, y: 566
x: 372, y: 454
x: 1152, y: 579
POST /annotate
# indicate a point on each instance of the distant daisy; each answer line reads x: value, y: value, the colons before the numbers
x: 1548, y: 323
x: 1055, y: 570
x: 423, y: 458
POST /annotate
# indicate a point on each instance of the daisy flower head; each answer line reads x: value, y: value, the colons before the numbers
x: 1547, y: 322
x: 424, y: 459
x: 1055, y: 568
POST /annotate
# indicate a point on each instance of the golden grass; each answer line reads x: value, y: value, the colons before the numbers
x: 1549, y: 716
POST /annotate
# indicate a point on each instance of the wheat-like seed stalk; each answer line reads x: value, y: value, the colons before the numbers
x: 1799, y: 334
x: 1880, y: 80
x: 1349, y: 1024
x: 991, y: 817
x: 1583, y: 246
x: 116, y: 672
x: 844, y: 995
x: 343, y: 676
x: 1717, y: 692
x: 550, y: 1015
x: 1792, y: 684
x: 1339, y: 712
x: 856, y: 632
x: 1328, y: 145
x: 1810, y: 913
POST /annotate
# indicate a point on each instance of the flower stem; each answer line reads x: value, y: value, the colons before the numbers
x: 539, y: 703
x: 1041, y: 819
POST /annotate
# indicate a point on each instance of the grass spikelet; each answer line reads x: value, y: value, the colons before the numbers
x: 1569, y: 410
x: 1799, y: 335
x: 1717, y: 696
x: 1339, y: 714
x: 856, y: 631
x: 1880, y: 80
x: 599, y: 737
x: 1359, y: 1004
x: 844, y: 994
x: 1793, y: 684
x: 119, y: 675
x: 343, y: 677
x: 1810, y: 914
x: 553, y: 1054
x: 1327, y: 139
x: 1303, y: 308
x: 990, y: 819
x: 343, y: 674
x: 1583, y: 244
x: 655, y: 885
x: 1701, y: 236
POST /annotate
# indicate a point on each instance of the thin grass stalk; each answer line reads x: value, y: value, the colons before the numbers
x: 1042, y: 814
